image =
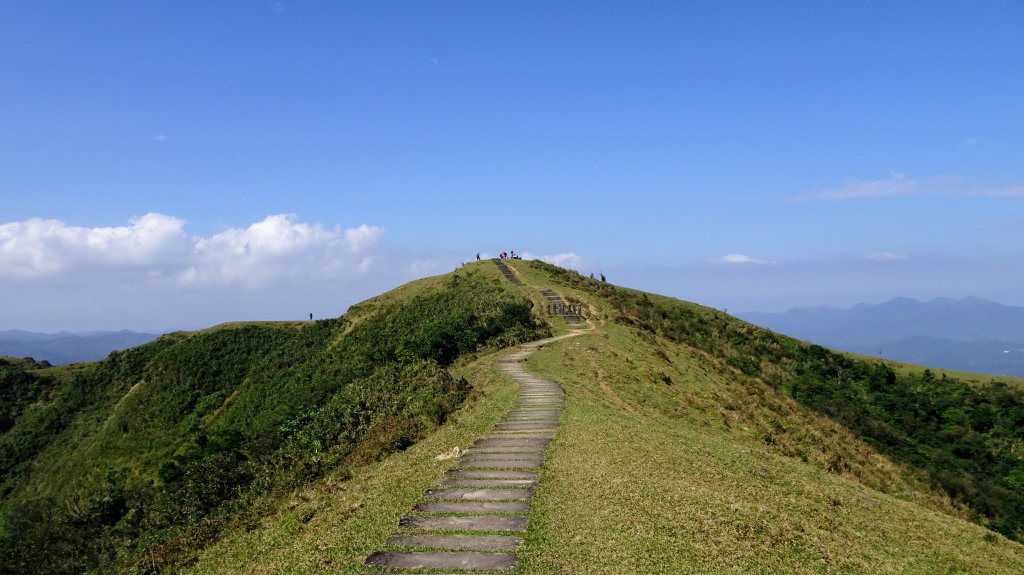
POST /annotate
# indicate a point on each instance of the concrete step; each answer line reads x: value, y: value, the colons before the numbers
x: 464, y: 522
x: 457, y: 542
x: 465, y: 560
x: 479, y: 494
x: 473, y: 507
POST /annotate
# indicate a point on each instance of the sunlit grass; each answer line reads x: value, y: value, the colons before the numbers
x: 645, y: 478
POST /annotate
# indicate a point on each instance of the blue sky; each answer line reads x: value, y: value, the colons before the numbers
x: 177, y: 164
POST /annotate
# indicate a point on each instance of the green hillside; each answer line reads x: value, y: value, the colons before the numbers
x: 142, y: 459
x: 691, y: 442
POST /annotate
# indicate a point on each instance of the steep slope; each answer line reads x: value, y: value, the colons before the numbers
x: 138, y: 461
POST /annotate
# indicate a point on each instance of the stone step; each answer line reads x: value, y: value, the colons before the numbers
x: 465, y: 560
x: 513, y: 460
x: 542, y: 397
x: 499, y: 483
x: 500, y: 456
x: 526, y: 433
x: 539, y: 433
x: 536, y: 426
x: 526, y: 449
x: 479, y: 494
x: 459, y: 542
x: 472, y: 507
x: 464, y: 522
x: 510, y: 442
x: 493, y: 474
x: 552, y: 397
x: 502, y: 464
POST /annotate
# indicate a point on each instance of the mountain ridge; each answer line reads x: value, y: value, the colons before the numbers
x: 895, y: 328
x: 296, y: 447
x: 69, y: 347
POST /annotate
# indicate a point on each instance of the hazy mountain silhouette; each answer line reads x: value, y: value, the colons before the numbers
x: 64, y: 347
x: 970, y: 334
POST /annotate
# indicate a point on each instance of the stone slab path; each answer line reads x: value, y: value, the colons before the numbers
x: 472, y: 520
x: 511, y: 277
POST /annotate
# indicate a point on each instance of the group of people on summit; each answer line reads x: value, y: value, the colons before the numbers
x: 504, y: 255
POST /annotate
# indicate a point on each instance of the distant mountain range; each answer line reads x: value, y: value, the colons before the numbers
x: 969, y: 334
x: 64, y: 347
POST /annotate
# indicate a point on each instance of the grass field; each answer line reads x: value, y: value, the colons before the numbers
x: 641, y: 480
x: 666, y: 462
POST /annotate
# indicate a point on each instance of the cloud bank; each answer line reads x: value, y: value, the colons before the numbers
x: 152, y: 274
x: 155, y: 247
x: 741, y: 259
x: 568, y: 260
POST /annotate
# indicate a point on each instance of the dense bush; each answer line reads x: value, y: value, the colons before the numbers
x: 163, y: 445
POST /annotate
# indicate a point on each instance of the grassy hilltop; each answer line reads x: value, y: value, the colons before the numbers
x: 692, y: 442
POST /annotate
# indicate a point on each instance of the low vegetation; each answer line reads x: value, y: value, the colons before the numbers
x: 682, y: 451
x: 966, y: 440
x: 692, y: 442
x: 135, y: 463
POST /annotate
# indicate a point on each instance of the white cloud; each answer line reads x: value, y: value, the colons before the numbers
x: 277, y: 249
x: 280, y: 249
x: 1000, y: 191
x: 895, y: 185
x: 568, y: 260
x: 740, y: 259
x: 38, y: 247
x: 901, y: 185
x: 886, y: 257
x: 361, y: 238
x: 152, y: 274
